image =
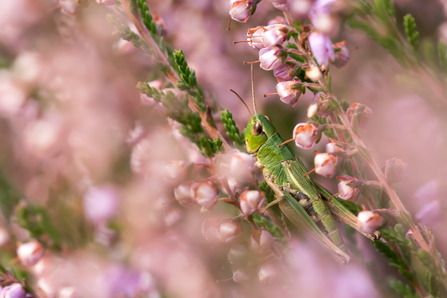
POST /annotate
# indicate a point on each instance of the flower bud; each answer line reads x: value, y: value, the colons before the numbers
x: 206, y: 194
x: 277, y: 20
x: 30, y: 253
x: 237, y: 253
x: 313, y: 73
x: 261, y: 241
x: 174, y: 171
x: 240, y: 10
x: 274, y: 35
x: 284, y: 72
x: 267, y: 273
x: 241, y: 275
x: 210, y: 229
x: 13, y: 291
x: 325, y: 164
x: 251, y: 200
x: 230, y: 231
x: 101, y: 203
x: 369, y: 221
x: 4, y: 236
x: 312, y: 110
x: 338, y: 147
x: 305, y: 135
x: 254, y: 37
x: 287, y: 92
x: 271, y: 57
x: 184, y: 194
x: 321, y: 47
x: 241, y: 164
x: 280, y: 4
x: 70, y: 7
x: 341, y: 56
x: 300, y: 8
x: 356, y: 110
x: 345, y: 191
x: 395, y: 170
x: 106, y: 2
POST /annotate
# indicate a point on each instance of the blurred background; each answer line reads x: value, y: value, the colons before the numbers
x: 81, y: 151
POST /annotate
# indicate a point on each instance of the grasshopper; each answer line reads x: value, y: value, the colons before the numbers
x: 306, y: 204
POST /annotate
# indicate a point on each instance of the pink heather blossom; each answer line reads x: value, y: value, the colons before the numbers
x: 240, y: 10
x: 270, y: 57
x: 305, y: 135
x: 345, y: 191
x: 241, y: 163
x: 184, y: 194
x: 395, y: 169
x: 300, y: 8
x: 205, y: 193
x: 338, y: 147
x: 230, y: 231
x: 280, y: 4
x: 267, y: 273
x: 341, y: 56
x: 241, y: 275
x: 321, y: 47
x: 70, y: 7
x: 325, y: 164
x: 174, y: 171
x: 312, y: 110
x: 101, y: 203
x: 210, y: 229
x: 286, y: 92
x: 251, y: 200
x: 430, y: 214
x: 237, y: 253
x: 322, y: 18
x: 369, y: 221
x: 13, y: 291
x: 355, y: 109
x: 274, y: 35
x: 30, y: 253
x: 277, y: 20
x: 261, y: 241
x: 284, y: 72
x: 254, y: 36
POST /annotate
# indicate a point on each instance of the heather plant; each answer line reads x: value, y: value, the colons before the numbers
x: 139, y: 160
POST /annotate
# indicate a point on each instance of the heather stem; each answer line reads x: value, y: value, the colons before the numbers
x: 173, y: 77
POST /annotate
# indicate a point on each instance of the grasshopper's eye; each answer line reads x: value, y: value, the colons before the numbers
x: 257, y: 129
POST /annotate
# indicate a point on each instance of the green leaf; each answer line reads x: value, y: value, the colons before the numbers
x: 231, y: 129
x: 411, y: 32
x: 402, y: 289
x: 442, y: 56
x: 395, y: 261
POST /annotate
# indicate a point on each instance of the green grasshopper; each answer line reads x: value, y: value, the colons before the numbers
x: 305, y: 203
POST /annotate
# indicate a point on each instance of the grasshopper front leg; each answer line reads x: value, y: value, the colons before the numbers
x: 342, y: 213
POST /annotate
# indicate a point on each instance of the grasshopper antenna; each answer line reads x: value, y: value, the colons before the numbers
x: 242, y: 101
x: 253, y: 89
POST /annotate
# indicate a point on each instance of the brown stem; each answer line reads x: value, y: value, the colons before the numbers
x: 173, y: 76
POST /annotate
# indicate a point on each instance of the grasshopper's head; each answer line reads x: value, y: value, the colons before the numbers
x: 259, y: 129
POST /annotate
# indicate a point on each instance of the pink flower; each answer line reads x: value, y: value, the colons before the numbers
x: 345, y: 191
x: 71, y: 7
x: 338, y: 147
x: 325, y: 164
x: 305, y: 135
x: 355, y: 110
x: 395, y: 169
x: 251, y: 200
x: 174, y: 171
x: 240, y: 10
x: 369, y: 221
x: 230, y: 231
x: 101, y: 203
x: 271, y: 57
x: 261, y: 241
x: 206, y: 194
x: 237, y: 254
x: 210, y: 229
x: 184, y: 194
x: 13, y: 291
x: 241, y: 164
x: 300, y: 8
x: 267, y: 273
x: 106, y: 2
x: 284, y: 72
x: 30, y: 253
x: 321, y: 47
x: 254, y: 37
x: 274, y: 35
x: 322, y: 17
x: 241, y: 275
x: 430, y: 214
x: 287, y: 92
x: 341, y: 55
x: 280, y: 4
